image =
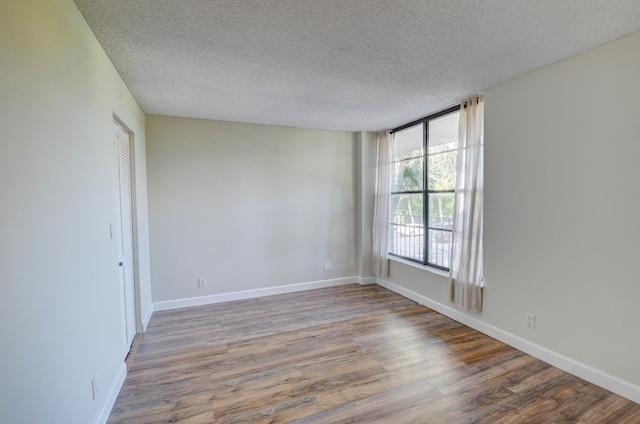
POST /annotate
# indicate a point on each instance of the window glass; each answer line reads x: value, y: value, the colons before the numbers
x: 423, y: 189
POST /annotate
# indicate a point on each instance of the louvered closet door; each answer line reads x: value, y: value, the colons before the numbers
x: 124, y: 233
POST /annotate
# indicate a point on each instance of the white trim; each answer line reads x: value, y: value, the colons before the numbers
x: 249, y: 294
x: 113, y: 395
x: 597, y: 377
x: 607, y: 381
x: 147, y: 319
x: 363, y: 281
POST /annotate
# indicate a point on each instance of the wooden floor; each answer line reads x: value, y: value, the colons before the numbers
x: 344, y: 354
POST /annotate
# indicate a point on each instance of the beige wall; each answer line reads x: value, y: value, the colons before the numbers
x: 59, y: 301
x: 247, y: 206
x: 561, y: 213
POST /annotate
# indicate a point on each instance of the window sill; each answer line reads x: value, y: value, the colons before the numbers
x: 430, y: 269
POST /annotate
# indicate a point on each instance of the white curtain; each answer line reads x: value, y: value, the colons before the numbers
x: 465, y: 277
x: 381, y: 207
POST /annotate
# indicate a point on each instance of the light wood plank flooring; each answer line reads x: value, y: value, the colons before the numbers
x: 344, y: 354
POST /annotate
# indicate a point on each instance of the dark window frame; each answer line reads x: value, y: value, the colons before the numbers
x: 425, y: 188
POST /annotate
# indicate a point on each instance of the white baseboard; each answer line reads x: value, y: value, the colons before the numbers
x: 249, y: 294
x: 592, y: 375
x: 113, y: 395
x: 363, y: 281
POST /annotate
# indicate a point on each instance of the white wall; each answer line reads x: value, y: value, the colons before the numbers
x: 562, y: 203
x: 247, y: 206
x: 59, y: 302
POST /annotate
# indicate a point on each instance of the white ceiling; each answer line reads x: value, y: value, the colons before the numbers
x: 338, y: 64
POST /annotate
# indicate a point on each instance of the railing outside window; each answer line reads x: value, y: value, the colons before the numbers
x: 407, y: 238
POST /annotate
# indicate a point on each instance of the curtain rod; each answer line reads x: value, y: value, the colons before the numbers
x: 477, y: 98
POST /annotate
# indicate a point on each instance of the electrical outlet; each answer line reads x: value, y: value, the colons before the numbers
x: 328, y: 265
x: 202, y: 282
x: 530, y: 320
x: 352, y: 265
x: 94, y: 388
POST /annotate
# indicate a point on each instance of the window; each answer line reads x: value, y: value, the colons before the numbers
x: 423, y: 189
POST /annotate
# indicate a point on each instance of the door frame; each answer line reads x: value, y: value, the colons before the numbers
x: 134, y: 226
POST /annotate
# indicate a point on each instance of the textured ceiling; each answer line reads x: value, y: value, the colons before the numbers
x: 338, y: 64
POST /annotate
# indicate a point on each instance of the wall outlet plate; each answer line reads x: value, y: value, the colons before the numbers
x: 202, y: 282
x: 530, y: 320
